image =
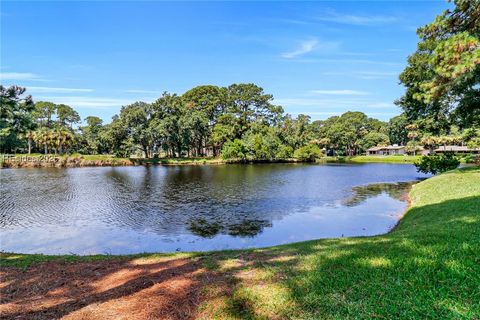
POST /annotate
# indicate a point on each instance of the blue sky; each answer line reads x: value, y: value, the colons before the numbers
x: 317, y: 58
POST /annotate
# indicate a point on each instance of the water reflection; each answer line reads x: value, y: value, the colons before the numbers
x: 244, y: 228
x: 397, y: 191
x: 137, y: 209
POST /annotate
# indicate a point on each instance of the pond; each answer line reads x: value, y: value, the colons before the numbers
x: 124, y: 210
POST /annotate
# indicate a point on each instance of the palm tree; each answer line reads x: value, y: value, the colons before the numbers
x: 45, y: 137
x: 40, y: 138
x: 30, y: 136
x: 61, y: 138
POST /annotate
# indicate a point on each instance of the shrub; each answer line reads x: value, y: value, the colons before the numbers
x: 310, y: 152
x: 437, y: 163
x: 234, y: 150
x: 472, y: 158
x: 284, y: 152
x: 257, y: 147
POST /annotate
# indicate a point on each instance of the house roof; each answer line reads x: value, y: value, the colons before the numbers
x: 394, y: 147
x: 455, y: 148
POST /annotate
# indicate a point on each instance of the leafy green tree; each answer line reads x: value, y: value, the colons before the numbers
x: 262, y: 142
x: 202, y: 122
x: 373, y: 139
x: 248, y: 103
x: 443, y: 75
x: 45, y: 112
x: 136, y: 118
x: 169, y: 110
x: 235, y: 149
x: 474, y: 143
x: 296, y: 132
x: 66, y: 116
x: 284, y: 152
x: 92, y: 134
x: 437, y: 163
x: 470, y: 134
x: 413, y: 135
x: 15, y: 116
x: 310, y: 152
x: 346, y: 131
x: 397, y: 130
x: 225, y: 129
x: 116, y: 137
x: 204, y: 105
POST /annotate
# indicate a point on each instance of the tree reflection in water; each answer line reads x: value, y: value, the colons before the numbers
x: 124, y: 210
x: 360, y: 194
x: 244, y: 228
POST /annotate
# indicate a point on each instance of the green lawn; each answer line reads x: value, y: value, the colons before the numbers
x: 386, y: 159
x: 103, y: 159
x: 389, y: 159
x: 93, y: 157
x: 428, y: 267
x: 189, y: 161
x: 100, y: 159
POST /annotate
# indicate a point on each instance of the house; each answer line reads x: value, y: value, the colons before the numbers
x: 386, y: 151
x: 419, y: 151
x: 457, y: 149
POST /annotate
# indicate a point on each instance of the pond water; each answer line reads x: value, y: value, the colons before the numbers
x: 123, y: 210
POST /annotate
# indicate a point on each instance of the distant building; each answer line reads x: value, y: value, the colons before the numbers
x: 419, y: 151
x: 396, y: 149
x: 456, y: 149
x: 386, y: 151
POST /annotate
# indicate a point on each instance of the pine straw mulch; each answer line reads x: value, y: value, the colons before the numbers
x: 106, y: 289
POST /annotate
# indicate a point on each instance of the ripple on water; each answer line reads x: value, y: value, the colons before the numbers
x: 137, y: 209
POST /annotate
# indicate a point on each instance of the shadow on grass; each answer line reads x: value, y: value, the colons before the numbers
x: 421, y: 270
x: 429, y: 267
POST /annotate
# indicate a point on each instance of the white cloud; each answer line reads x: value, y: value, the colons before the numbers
x: 356, y: 19
x: 303, y: 48
x: 343, y: 92
x: 18, y: 76
x: 56, y: 90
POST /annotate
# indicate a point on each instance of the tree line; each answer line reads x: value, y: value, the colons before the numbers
x: 441, y: 105
x: 239, y: 121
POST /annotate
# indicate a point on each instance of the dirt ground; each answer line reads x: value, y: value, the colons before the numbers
x: 105, y: 289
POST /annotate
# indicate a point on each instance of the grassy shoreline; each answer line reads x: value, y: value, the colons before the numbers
x: 380, y: 159
x: 78, y: 160
x: 427, y: 267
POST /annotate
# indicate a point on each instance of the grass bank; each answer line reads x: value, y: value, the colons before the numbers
x: 390, y: 159
x: 38, y: 160
x: 428, y: 267
x: 367, y: 159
